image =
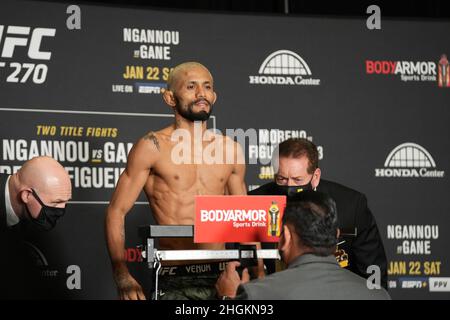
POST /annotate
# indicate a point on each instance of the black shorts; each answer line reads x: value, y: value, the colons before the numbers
x: 189, y: 282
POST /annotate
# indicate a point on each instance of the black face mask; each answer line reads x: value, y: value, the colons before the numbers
x: 290, y: 191
x: 46, y: 220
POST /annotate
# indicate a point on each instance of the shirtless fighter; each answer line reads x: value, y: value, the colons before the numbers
x: 171, y: 187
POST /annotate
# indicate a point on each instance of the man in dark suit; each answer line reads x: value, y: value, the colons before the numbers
x: 31, y: 199
x: 37, y: 193
x: 307, y: 244
x: 296, y: 163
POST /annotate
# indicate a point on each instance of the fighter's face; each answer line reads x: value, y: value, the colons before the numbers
x: 194, y: 94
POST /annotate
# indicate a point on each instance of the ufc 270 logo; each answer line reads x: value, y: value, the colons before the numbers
x: 29, y: 40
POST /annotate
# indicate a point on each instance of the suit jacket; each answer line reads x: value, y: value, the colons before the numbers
x: 310, y: 277
x: 357, y: 224
x: 3, y: 226
x: 19, y: 278
x: 4, y: 229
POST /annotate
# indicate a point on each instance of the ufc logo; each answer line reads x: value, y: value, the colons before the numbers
x: 16, y: 36
x: 168, y: 270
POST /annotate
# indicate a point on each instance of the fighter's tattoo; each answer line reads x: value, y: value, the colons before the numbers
x: 151, y: 136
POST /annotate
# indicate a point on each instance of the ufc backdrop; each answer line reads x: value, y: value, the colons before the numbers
x: 375, y: 102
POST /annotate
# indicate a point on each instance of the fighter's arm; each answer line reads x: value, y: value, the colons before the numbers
x: 141, y: 159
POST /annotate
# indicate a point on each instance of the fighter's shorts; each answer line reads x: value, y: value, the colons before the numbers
x: 189, y: 282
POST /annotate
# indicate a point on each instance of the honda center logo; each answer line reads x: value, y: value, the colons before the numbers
x: 409, y: 160
x: 284, y: 67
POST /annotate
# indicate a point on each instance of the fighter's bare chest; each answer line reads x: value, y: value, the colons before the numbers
x: 190, y: 175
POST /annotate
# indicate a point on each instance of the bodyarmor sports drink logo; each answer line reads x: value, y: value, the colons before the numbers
x: 17, y: 36
x: 409, y: 160
x: 238, y: 218
x: 413, y: 70
x: 232, y: 215
x: 284, y: 67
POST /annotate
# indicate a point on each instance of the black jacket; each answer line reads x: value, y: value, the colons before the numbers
x: 354, y: 217
x: 3, y: 226
x: 19, y: 278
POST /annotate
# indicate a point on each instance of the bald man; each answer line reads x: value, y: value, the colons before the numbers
x: 34, y: 197
x: 37, y: 193
x: 171, y: 185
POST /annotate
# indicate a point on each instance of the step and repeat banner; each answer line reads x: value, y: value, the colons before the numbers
x: 83, y: 85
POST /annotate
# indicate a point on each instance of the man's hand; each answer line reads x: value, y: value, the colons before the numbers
x: 129, y: 288
x: 229, y: 280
